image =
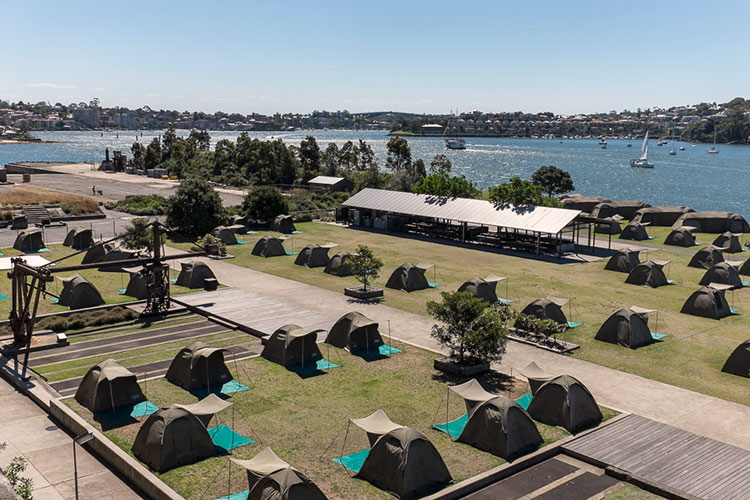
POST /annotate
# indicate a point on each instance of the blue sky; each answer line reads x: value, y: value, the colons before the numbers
x: 430, y: 56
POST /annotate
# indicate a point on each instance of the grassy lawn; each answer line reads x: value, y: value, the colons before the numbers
x: 108, y: 283
x: 691, y: 357
x: 73, y: 204
x: 304, y: 420
x: 630, y: 492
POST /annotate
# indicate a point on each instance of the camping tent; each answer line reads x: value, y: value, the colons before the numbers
x: 198, y: 365
x: 625, y: 209
x: 724, y: 273
x: 634, y: 231
x: 481, y: 288
x: 171, y: 437
x: 708, y: 302
x: 535, y: 376
x: 582, y: 203
x: 271, y: 478
x: 547, y: 309
x: 108, y: 385
x: 404, y: 462
x: 706, y: 257
x: 681, y: 237
x: 268, y: 246
x: 283, y: 224
x: 115, y: 254
x: 376, y: 425
x: 566, y: 402
x: 495, y: 424
x: 79, y: 238
x: 729, y: 242
x: 623, y: 261
x: 627, y: 327
x: 29, y: 240
x: 313, y: 255
x: 206, y: 408
x: 713, y: 222
x: 660, y: 216
x: 355, y: 332
x: 96, y: 252
x: 78, y: 292
x: 339, y: 264
x: 137, y: 284
x: 193, y: 273
x: 292, y: 345
x: 408, y: 277
x: 612, y: 227
x: 225, y: 234
x: 649, y: 273
x: 744, y: 269
x: 738, y: 363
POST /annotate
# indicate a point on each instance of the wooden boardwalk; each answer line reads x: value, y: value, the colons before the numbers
x: 251, y: 312
x: 689, y: 463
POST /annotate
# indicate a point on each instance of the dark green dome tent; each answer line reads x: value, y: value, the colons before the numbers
x: 623, y: 261
x: 681, y: 237
x: 738, y: 363
x: 535, y: 376
x: 193, y: 273
x: 408, y: 278
x: 547, y: 308
x: 313, y: 255
x: 292, y: 345
x: 634, y: 231
x: 108, y: 385
x: 78, y: 293
x: 198, y: 365
x: 269, y: 246
x: 29, y: 240
x: 283, y: 224
x: 79, y: 238
x: 706, y: 257
x: 355, y: 332
x: 270, y: 478
x: 115, y: 254
x: 627, y: 327
x: 137, y: 283
x: 708, y: 302
x: 713, y: 222
x: 611, y: 227
x: 649, y: 273
x: 225, y: 234
x: 729, y: 242
x: 625, y: 209
x: 566, y: 402
x: 96, y: 252
x: 724, y: 273
x: 339, y: 265
x: 481, y: 288
x: 660, y: 216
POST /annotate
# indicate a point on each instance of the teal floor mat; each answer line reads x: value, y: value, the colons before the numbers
x: 746, y: 283
x: 242, y: 495
x: 125, y: 413
x: 454, y: 428
x: 296, y: 232
x: 382, y: 351
x: 241, y: 242
x: 122, y: 290
x: 54, y: 300
x: 291, y: 252
x: 671, y: 282
x: 3, y: 296
x: 525, y: 400
x: 354, y: 461
x: 504, y: 301
x: 434, y: 284
x: 173, y: 281
x: 41, y: 250
x: 225, y: 438
x: 573, y: 324
x: 734, y: 310
x: 250, y: 232
x: 658, y: 336
x: 227, y: 389
x: 651, y: 237
x: 311, y: 368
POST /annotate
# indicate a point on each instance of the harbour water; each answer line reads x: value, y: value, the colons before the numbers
x: 691, y: 178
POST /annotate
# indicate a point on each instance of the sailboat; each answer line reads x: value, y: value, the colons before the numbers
x: 642, y: 162
x: 673, y: 151
x: 712, y: 150
x: 453, y: 141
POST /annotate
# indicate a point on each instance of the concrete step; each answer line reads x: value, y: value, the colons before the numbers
x: 36, y: 214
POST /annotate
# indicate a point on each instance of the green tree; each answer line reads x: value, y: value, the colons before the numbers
x: 152, y: 158
x: 471, y: 329
x: 139, y: 153
x: 201, y: 139
x: 553, y: 180
x: 348, y: 156
x: 365, y: 157
x: 440, y: 184
x: 440, y: 165
x: 309, y: 157
x: 331, y: 159
x: 195, y: 208
x: 140, y: 235
x: 365, y: 266
x: 517, y: 192
x: 23, y: 486
x: 264, y: 203
x: 399, y: 155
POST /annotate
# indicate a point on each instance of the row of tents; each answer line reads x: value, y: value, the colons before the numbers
x: 228, y: 234
x: 32, y: 240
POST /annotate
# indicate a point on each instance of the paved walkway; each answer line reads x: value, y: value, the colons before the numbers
x: 704, y: 415
x: 29, y: 432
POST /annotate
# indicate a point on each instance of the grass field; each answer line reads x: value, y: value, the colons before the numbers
x: 73, y: 204
x: 305, y: 420
x: 691, y: 357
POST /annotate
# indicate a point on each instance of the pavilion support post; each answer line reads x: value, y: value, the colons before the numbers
x: 463, y: 232
x: 538, y: 242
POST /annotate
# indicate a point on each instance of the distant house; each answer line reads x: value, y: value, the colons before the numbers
x: 432, y: 129
x: 330, y: 184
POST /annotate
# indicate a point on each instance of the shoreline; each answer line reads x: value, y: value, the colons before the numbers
x: 13, y: 141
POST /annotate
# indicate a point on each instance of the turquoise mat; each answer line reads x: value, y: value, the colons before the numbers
x: 289, y: 252
x: 241, y: 242
x: 250, y: 232
x: 39, y: 251
x: 746, y: 283
x: 3, y: 296
x: 354, y: 461
x: 224, y: 437
x: 173, y: 281
x: 658, y: 336
x: 125, y: 413
x: 309, y: 368
x: 651, y: 237
x: 573, y: 324
x: 296, y: 232
x: 525, y: 401
x: 383, y: 350
x: 242, y: 495
x: 454, y: 428
x: 734, y: 310
x: 504, y: 301
x: 671, y: 282
x: 54, y: 300
x: 227, y: 389
x: 433, y: 285
x: 122, y: 290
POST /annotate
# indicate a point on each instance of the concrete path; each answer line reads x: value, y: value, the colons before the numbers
x: 29, y: 432
x: 704, y: 415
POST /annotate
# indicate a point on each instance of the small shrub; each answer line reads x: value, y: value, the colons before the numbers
x: 536, y: 326
x: 57, y: 325
x: 140, y: 204
x: 206, y: 240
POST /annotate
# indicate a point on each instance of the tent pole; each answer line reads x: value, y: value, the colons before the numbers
x: 447, y: 406
x: 111, y: 397
x: 390, y: 339
x: 346, y: 435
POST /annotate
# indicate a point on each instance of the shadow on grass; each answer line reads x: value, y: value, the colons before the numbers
x: 491, y: 381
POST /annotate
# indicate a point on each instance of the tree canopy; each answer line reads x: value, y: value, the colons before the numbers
x: 517, y: 192
x: 264, y: 203
x: 195, y: 208
x: 553, y: 180
x: 441, y: 184
x: 365, y: 265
